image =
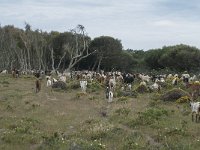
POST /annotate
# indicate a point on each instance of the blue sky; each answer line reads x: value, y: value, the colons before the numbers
x: 139, y: 24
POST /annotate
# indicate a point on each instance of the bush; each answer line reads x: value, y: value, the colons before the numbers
x: 127, y: 93
x: 59, y: 85
x: 122, y: 111
x: 174, y: 94
x: 4, y: 82
x: 80, y: 94
x: 133, y: 142
x: 74, y: 85
x: 123, y: 99
x: 94, y: 87
x: 80, y: 144
x: 148, y: 117
x: 141, y: 89
x: 183, y: 99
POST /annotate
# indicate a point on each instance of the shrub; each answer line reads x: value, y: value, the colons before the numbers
x: 122, y: 111
x: 141, y: 89
x: 74, y: 85
x: 80, y: 144
x: 132, y: 141
x: 126, y: 93
x: 59, y: 85
x: 80, y: 94
x: 95, y: 130
x: 148, y: 117
x: 156, y: 96
x: 94, y: 87
x: 183, y: 99
x: 123, y: 99
x: 174, y: 94
x: 4, y: 82
x: 55, y: 141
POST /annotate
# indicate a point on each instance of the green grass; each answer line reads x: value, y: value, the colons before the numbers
x: 70, y: 119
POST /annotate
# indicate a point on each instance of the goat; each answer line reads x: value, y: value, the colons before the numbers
x: 128, y: 78
x: 112, y: 83
x: 37, y: 85
x: 15, y: 73
x: 4, y: 72
x: 169, y: 76
x: 129, y: 87
x: 49, y: 82
x: 175, y: 81
x: 63, y: 78
x: 185, y: 77
x: 109, y: 94
x: 195, y: 106
x: 83, y: 85
x: 54, y: 80
x: 143, y: 83
x: 144, y: 78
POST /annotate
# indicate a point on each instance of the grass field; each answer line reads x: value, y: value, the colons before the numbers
x: 72, y: 120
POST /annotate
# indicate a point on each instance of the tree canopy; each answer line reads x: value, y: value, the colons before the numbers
x: 27, y: 49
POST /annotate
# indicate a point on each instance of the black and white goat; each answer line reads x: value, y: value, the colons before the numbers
x: 109, y: 94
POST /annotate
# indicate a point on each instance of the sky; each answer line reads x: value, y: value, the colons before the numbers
x: 139, y: 24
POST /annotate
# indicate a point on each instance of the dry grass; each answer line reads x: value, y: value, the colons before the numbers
x: 69, y: 119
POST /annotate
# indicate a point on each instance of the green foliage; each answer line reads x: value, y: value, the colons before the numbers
x: 178, y: 58
x: 108, y: 52
x: 95, y: 129
x: 59, y: 85
x: 4, y: 82
x: 133, y: 142
x: 152, y: 58
x: 54, y: 141
x: 37, y: 47
x: 142, y: 89
x: 122, y: 111
x: 183, y: 99
x: 79, y: 95
x: 94, y: 86
x: 74, y: 85
x: 86, y: 145
x: 132, y: 94
x: 173, y: 95
x: 148, y: 117
x: 123, y: 99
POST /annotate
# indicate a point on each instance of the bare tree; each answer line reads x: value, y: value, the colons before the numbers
x: 80, y: 49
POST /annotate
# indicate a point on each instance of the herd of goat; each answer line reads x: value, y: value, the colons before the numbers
x: 111, y: 79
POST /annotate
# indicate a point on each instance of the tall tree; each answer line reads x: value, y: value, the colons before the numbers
x: 79, y: 49
x: 108, y: 50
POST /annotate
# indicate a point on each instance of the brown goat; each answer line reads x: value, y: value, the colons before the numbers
x: 37, y: 85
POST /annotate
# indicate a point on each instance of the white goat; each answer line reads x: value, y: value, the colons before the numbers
x: 63, y: 78
x: 54, y: 80
x: 110, y: 96
x: 169, y: 76
x: 112, y: 83
x: 4, y: 72
x: 195, y: 106
x: 144, y: 78
x: 162, y: 80
x: 83, y: 85
x: 129, y: 86
x: 49, y: 82
x: 143, y: 83
x: 193, y: 78
x: 155, y: 86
